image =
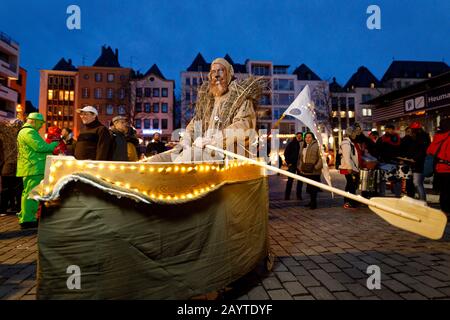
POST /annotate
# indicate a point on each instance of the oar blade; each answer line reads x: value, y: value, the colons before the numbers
x: 432, y: 221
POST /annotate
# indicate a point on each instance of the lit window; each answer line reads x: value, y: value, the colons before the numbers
x: 351, y: 114
x: 61, y: 95
x: 343, y: 114
x: 71, y: 95
x: 372, y: 85
x: 50, y: 94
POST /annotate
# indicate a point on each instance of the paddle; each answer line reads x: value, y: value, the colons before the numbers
x: 405, y: 213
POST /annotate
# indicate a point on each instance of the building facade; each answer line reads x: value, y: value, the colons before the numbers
x: 64, y: 89
x: 152, y: 104
x: 20, y: 85
x: 58, y: 97
x: 106, y: 86
x: 9, y: 71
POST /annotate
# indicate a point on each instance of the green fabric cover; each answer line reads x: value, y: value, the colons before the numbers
x: 131, y: 250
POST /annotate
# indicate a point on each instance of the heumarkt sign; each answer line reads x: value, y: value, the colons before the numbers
x: 433, y: 99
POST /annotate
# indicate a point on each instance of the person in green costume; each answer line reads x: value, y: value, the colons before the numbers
x: 33, y: 151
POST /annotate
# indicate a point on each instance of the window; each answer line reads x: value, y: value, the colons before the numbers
x: 265, y: 100
x: 85, y: 93
x: 156, y: 92
x: 164, y: 92
x: 279, y: 70
x: 260, y: 70
x: 66, y: 95
x: 188, y: 97
x: 98, y: 93
x: 86, y: 77
x: 194, y: 81
x: 137, y: 123
x: 98, y: 77
x: 164, y: 124
x: 110, y: 77
x: 342, y: 102
x: 50, y: 94
x: 188, y: 81
x: 146, y: 123
x: 367, y: 112
x: 61, y: 95
x: 155, y: 123
x: 283, y: 84
x: 285, y: 98
x: 366, y: 97
x: 351, y: 102
x: 138, y: 107
x: 139, y: 92
x: 148, y: 92
x: 164, y: 108
x: 122, y: 93
x: 122, y: 109
x: 71, y: 95
x: 156, y: 107
x: 109, y: 109
x: 147, y: 108
x: 110, y: 93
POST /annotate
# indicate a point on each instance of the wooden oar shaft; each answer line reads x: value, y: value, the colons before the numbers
x: 317, y: 184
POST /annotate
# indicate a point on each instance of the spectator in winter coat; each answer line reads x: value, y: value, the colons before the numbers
x: 414, y: 147
x: 310, y: 165
x: 94, y: 140
x: 349, y: 165
x: 291, y: 156
x: 440, y: 147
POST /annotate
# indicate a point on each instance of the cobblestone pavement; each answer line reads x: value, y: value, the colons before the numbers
x: 320, y: 254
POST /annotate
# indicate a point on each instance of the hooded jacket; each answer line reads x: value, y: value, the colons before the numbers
x: 32, y: 152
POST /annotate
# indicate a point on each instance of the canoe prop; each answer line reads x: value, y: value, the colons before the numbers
x: 404, y: 213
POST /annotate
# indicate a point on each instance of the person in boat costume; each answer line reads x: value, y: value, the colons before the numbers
x: 224, y: 105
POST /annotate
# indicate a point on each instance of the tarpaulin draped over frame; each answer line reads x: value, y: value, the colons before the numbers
x: 132, y: 250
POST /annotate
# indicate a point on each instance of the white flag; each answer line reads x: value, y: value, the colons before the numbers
x: 302, y: 109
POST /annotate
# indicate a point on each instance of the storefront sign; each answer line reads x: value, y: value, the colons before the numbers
x: 432, y: 99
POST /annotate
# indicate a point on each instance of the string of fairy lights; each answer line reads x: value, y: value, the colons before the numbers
x: 100, y: 170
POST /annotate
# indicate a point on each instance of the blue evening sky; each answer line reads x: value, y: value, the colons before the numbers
x: 330, y: 37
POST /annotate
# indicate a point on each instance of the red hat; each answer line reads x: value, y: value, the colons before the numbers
x: 415, y: 125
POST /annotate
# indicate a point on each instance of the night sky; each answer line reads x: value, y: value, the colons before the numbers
x: 331, y: 37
